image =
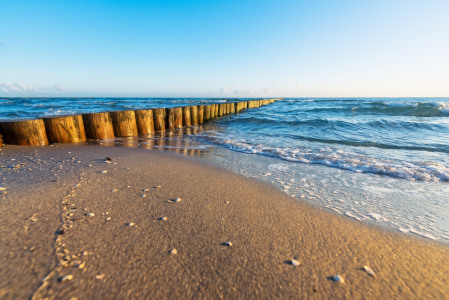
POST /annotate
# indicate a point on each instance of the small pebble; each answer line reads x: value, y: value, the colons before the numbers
x: 108, y: 158
x: 102, y: 172
x: 146, y: 190
x: 90, y: 165
x: 144, y: 196
x: 228, y: 244
x: 130, y: 224
x: 128, y: 186
x: 227, y: 202
x: 99, y: 277
x: 158, y: 187
x: 295, y: 263
x: 108, y: 218
x: 369, y: 271
x: 173, y: 251
x: 2, y: 188
x: 85, y: 253
x: 338, y: 278
x: 90, y: 215
x: 81, y: 266
x: 114, y: 191
x: 178, y: 200
x: 67, y: 277
x: 163, y: 219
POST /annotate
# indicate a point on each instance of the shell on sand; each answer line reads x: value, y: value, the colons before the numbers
x: 100, y: 276
x: 173, y: 251
x: 227, y: 244
x: 90, y: 215
x: 295, y: 263
x: 369, y: 271
x: 178, y: 200
x: 108, y: 218
x: 146, y: 190
x: 67, y: 277
x: 103, y: 172
x: 163, y: 219
x: 2, y: 188
x: 338, y: 278
x: 144, y: 195
x: 131, y: 224
x: 158, y: 187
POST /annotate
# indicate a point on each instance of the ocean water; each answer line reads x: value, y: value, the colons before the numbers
x: 379, y: 160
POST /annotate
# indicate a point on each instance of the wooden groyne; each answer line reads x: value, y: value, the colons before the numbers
x: 108, y: 125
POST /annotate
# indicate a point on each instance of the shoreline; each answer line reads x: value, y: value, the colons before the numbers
x: 266, y: 228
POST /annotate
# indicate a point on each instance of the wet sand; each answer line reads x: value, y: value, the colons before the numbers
x: 51, y: 229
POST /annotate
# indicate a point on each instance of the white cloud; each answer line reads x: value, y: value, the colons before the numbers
x: 58, y: 87
x: 297, y: 86
x: 239, y: 91
x: 269, y: 89
x: 18, y: 87
x: 223, y: 90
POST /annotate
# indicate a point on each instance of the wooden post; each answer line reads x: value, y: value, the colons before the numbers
x: 206, y: 112
x: 79, y: 127
x: 144, y: 121
x: 245, y: 104
x: 194, y: 115
x: 62, y: 129
x: 232, y: 108
x: 124, y: 123
x: 216, y: 109
x: 98, y: 126
x: 222, y: 109
x: 186, y: 116
x: 201, y: 114
x: 24, y: 132
x: 212, y: 111
x: 170, y: 119
x: 178, y: 117
x: 251, y: 104
x: 1, y: 141
x: 159, y: 119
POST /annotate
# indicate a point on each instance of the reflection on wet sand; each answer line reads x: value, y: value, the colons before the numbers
x: 180, y: 141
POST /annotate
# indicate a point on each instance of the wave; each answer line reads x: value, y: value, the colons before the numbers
x: 343, y: 160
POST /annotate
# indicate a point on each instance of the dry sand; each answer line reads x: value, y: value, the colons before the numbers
x: 46, y: 234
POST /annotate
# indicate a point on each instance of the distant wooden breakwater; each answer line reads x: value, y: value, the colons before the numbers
x: 108, y: 125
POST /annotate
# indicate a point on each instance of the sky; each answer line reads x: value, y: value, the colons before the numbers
x: 224, y: 49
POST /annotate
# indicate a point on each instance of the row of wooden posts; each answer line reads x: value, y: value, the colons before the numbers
x: 107, y: 125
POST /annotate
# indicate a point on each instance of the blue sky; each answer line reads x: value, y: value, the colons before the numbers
x: 224, y: 49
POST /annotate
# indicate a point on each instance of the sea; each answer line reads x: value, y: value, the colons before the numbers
x: 383, y: 161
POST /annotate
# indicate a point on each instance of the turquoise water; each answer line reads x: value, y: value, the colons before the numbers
x: 379, y: 160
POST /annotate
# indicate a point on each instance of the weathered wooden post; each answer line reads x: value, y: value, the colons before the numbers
x: 206, y: 112
x: 64, y: 129
x: 178, y: 117
x: 1, y: 141
x: 212, y: 111
x: 186, y: 116
x: 79, y: 125
x: 98, y: 126
x: 222, y: 110
x: 24, y: 132
x: 144, y: 121
x: 124, y: 123
x: 200, y: 114
x: 232, y: 106
x: 170, y: 119
x: 245, y: 106
x: 216, y: 109
x: 159, y: 119
x: 194, y: 115
x: 251, y: 104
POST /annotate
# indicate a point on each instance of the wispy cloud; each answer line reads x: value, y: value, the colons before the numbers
x: 224, y: 90
x: 296, y: 87
x: 2, y: 44
x: 58, y: 87
x: 17, y: 87
x: 269, y: 89
x: 239, y: 91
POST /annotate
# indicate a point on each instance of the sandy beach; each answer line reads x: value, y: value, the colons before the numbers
x: 75, y: 226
